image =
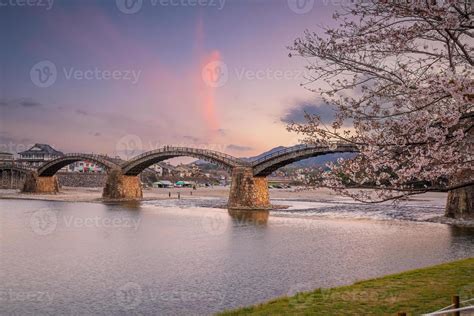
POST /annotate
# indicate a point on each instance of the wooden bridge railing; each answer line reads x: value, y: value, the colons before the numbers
x: 332, y: 146
x: 231, y: 160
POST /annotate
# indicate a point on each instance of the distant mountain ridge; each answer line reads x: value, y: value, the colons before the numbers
x: 319, y: 161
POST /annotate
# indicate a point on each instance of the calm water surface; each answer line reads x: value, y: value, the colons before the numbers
x: 158, y: 258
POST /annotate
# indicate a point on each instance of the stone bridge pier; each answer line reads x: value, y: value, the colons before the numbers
x: 248, y: 192
x: 122, y: 187
x: 40, y: 184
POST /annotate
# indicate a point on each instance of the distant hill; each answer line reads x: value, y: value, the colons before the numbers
x: 319, y: 161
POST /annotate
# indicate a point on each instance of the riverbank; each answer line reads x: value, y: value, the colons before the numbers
x: 414, y: 292
x: 85, y: 194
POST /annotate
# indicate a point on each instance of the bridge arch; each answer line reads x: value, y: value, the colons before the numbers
x: 139, y: 163
x: 267, y: 164
x: 51, y: 167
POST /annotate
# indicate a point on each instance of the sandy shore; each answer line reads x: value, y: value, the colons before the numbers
x: 77, y: 194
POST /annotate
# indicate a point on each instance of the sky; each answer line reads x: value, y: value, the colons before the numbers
x: 126, y: 76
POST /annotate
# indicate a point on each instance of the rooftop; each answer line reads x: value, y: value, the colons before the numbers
x: 42, y: 148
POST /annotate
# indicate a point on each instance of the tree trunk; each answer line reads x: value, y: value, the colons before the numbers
x: 460, y: 203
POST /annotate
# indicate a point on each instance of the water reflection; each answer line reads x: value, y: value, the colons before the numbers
x: 129, y: 205
x: 93, y: 258
x: 457, y: 231
x: 255, y: 217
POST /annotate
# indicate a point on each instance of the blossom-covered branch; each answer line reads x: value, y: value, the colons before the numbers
x: 400, y: 77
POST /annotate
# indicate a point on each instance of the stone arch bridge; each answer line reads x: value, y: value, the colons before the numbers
x: 249, y: 186
x: 12, y: 175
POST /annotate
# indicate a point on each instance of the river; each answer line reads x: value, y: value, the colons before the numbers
x: 167, y: 258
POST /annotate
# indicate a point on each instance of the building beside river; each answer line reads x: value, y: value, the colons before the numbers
x: 85, y: 167
x: 37, y: 155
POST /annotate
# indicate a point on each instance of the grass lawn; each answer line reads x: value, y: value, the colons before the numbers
x: 414, y: 292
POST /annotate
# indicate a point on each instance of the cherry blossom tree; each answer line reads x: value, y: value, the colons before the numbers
x: 400, y: 77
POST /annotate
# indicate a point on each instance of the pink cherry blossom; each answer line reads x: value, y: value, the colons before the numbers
x: 400, y: 75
